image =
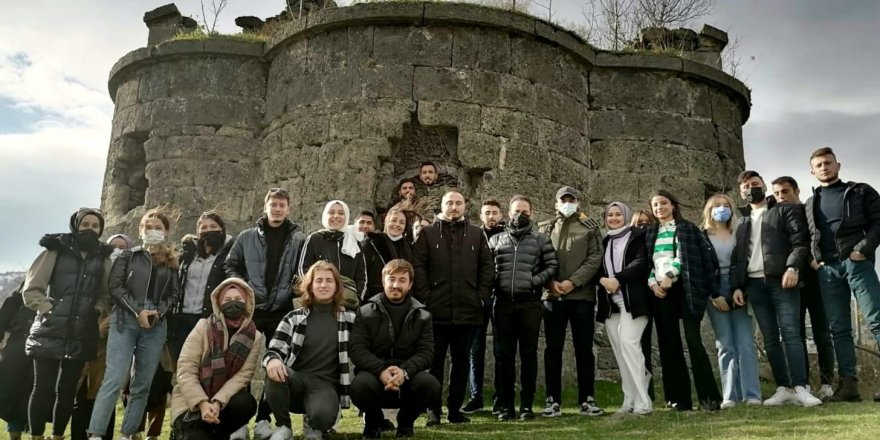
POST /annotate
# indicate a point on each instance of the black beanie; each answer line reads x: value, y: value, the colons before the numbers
x: 77, y: 218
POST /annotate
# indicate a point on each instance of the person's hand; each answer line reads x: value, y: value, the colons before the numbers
x: 565, y: 287
x: 666, y: 283
x: 815, y: 265
x: 739, y: 298
x: 210, y: 412
x: 397, y: 377
x: 856, y: 256
x: 789, y: 280
x: 388, y: 378
x: 277, y: 371
x: 144, y: 318
x: 611, y: 285
x: 720, y: 303
x: 554, y: 289
x: 104, y: 328
x: 659, y: 291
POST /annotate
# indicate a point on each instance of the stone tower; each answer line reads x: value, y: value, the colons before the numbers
x: 344, y: 102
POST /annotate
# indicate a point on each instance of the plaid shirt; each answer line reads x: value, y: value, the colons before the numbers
x: 288, y: 339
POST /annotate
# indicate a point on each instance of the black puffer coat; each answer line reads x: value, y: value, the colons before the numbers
x: 378, y: 251
x: 374, y: 346
x: 130, y: 280
x: 633, y: 279
x: 860, y: 228
x: 327, y: 246
x: 16, y: 368
x: 453, y: 272
x: 70, y: 329
x: 525, y: 261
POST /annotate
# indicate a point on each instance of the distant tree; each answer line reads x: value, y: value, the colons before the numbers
x: 211, y: 15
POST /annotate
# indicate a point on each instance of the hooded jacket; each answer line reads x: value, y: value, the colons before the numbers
x: 578, y: 244
x: 453, y: 271
x: 525, y: 262
x: 247, y: 260
x: 374, y: 346
x: 215, y: 277
x: 188, y: 392
x: 860, y: 228
x: 68, y: 290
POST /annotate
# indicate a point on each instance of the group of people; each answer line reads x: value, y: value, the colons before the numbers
x: 347, y: 315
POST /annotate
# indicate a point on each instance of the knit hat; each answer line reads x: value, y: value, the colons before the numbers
x: 77, y: 218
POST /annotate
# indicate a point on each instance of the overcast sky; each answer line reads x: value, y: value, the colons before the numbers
x: 811, y: 65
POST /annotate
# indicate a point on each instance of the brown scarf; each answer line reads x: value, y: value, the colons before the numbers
x: 219, y: 365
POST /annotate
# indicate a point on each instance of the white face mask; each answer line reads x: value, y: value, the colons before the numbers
x: 567, y: 209
x: 153, y: 236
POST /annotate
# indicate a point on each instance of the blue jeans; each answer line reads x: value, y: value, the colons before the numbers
x: 737, y: 354
x: 778, y: 312
x: 478, y: 354
x: 836, y: 280
x: 146, y: 347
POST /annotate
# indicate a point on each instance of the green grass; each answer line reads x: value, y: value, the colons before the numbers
x: 851, y: 421
x: 199, y: 34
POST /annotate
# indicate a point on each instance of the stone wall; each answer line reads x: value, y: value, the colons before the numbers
x: 344, y: 102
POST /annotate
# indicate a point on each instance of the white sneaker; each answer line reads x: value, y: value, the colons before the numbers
x: 282, y: 433
x: 804, y: 398
x: 310, y: 433
x: 825, y: 392
x: 240, y: 434
x: 782, y: 396
x: 727, y: 404
x: 754, y: 402
x: 551, y: 408
x: 263, y: 430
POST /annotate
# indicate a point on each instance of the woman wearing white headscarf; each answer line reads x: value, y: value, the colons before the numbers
x: 338, y: 244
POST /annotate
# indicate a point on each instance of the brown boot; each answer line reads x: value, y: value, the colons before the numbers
x: 847, y: 391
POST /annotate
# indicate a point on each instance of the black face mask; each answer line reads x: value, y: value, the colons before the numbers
x: 233, y: 309
x: 213, y: 239
x: 87, y: 241
x: 756, y: 194
x: 520, y: 221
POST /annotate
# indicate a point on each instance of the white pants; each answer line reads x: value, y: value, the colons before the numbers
x: 625, y: 335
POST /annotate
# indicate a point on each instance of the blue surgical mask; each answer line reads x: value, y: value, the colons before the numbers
x: 721, y: 214
x: 567, y: 209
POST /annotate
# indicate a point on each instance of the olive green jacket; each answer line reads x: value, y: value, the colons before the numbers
x: 578, y: 244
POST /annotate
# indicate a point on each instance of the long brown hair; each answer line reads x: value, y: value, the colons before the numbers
x: 162, y: 254
x: 307, y: 297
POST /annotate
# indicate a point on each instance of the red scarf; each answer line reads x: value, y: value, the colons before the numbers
x: 220, y: 365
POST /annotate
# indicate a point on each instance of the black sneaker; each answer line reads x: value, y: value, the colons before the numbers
x: 877, y: 396
x: 526, y: 414
x: 433, y: 418
x: 387, y: 425
x: 710, y: 405
x: 457, y: 418
x: 551, y: 408
x: 497, y: 407
x: 589, y: 408
x: 473, y: 406
x: 372, y: 432
x: 507, y: 415
x: 404, y: 432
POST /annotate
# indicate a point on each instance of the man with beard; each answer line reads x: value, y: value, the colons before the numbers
x: 525, y: 262
x: 844, y: 221
x: 265, y: 257
x: 431, y: 185
x: 453, y: 274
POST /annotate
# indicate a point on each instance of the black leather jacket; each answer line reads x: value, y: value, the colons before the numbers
x: 130, y: 280
x: 525, y: 261
x: 785, y: 242
x: 860, y: 228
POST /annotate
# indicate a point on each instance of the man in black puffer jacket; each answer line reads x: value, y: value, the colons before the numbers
x: 525, y: 261
x: 454, y: 270
x: 392, y: 348
x: 67, y: 287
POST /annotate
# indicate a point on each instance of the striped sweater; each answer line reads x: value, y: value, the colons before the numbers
x: 665, y: 248
x: 288, y: 339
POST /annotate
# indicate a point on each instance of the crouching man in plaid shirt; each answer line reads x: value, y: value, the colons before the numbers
x: 307, y: 359
x: 392, y: 349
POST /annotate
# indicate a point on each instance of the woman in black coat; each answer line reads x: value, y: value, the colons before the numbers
x: 67, y: 287
x: 16, y: 368
x: 624, y: 303
x: 382, y: 247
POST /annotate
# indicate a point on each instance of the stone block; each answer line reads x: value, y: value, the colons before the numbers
x: 328, y: 51
x: 479, y: 150
x: 725, y: 110
x: 559, y: 107
x: 534, y: 60
x: 233, y: 47
x: 706, y: 166
x: 125, y: 63
x: 387, y: 81
x: 126, y: 94
x: 486, y: 87
x: 207, y: 110
x: 305, y: 91
x: 197, y: 130
x: 178, y: 47
x: 481, y: 48
x: 173, y: 172
x: 438, y: 83
x: 615, y: 155
x: 639, y: 61
x: 529, y: 161
x: 611, y: 186
x: 511, y: 124
x: 412, y: 45
x: 701, y: 134
x: 345, y: 125
x: 561, y: 139
x: 305, y: 129
x: 474, y: 14
x: 566, y: 39
x: 392, y: 12
x: 573, y: 78
x: 637, y: 124
x: 386, y: 119
x: 699, y: 100
x: 341, y: 84
x: 650, y: 90
x: 454, y: 114
x: 690, y: 192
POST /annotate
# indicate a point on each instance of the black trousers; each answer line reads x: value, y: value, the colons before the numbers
x: 811, y: 301
x: 237, y: 412
x: 267, y: 323
x: 179, y: 327
x: 314, y: 396
x: 53, y: 394
x: 82, y: 414
x: 456, y: 339
x: 582, y: 317
x: 517, y: 325
x: 676, y: 380
x: 420, y: 391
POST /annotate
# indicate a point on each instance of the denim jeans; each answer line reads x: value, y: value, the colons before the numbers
x: 478, y: 354
x: 836, y: 280
x: 145, y: 345
x: 737, y: 354
x: 778, y: 311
